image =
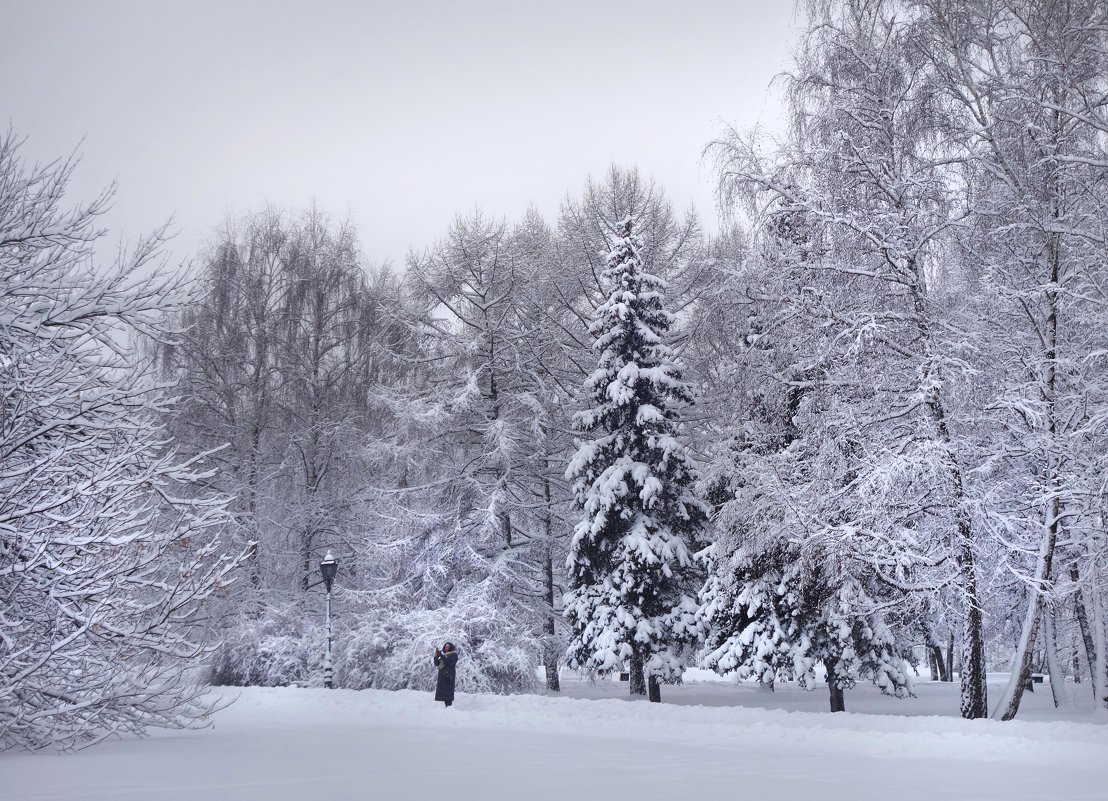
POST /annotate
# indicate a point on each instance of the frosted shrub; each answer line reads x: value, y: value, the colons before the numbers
x: 498, y: 655
x: 383, y: 649
x: 280, y: 650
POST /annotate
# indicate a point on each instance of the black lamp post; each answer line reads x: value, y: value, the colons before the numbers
x: 328, y: 568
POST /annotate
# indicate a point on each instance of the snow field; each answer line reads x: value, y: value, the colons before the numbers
x: 274, y: 744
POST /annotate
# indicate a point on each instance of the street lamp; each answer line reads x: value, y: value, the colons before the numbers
x: 328, y: 568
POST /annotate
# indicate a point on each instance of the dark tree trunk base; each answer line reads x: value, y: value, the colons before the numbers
x: 553, y: 683
x: 638, y: 680
x: 937, y: 662
x: 838, y: 698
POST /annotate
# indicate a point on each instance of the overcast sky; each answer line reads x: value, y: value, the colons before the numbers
x: 399, y: 114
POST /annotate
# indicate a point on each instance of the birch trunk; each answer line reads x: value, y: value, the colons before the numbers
x: 1021, y: 661
x: 1082, y: 614
x: 1053, y: 661
x: 1100, y: 671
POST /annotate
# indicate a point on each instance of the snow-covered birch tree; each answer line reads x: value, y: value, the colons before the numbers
x: 1023, y: 85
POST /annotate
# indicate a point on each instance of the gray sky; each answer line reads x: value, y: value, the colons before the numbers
x: 400, y: 114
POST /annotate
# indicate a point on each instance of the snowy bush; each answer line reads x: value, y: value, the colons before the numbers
x: 497, y: 654
x: 383, y: 649
x: 777, y: 615
x: 279, y: 650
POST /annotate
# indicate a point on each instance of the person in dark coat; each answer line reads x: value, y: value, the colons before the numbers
x: 446, y: 660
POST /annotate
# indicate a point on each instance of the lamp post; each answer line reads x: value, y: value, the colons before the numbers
x: 328, y: 568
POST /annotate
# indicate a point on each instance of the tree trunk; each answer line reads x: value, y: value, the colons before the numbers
x: 638, y: 680
x: 308, y: 535
x: 551, y: 663
x: 838, y: 700
x: 950, y: 659
x: 550, y: 651
x: 1082, y: 614
x: 1053, y: 662
x: 1021, y: 661
x: 931, y: 646
x: 253, y: 470
x: 1021, y: 664
x: 655, y: 690
x: 504, y: 518
x: 934, y: 650
x: 1100, y: 668
x: 939, y: 666
x: 974, y: 693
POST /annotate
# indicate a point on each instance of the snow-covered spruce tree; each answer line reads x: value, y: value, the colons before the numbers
x: 782, y: 596
x: 630, y: 569
x: 105, y: 552
x: 776, y: 613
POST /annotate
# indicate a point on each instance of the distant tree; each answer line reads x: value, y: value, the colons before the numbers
x: 330, y: 323
x: 551, y: 364
x: 631, y: 573
x: 107, y: 551
x: 274, y: 365
x: 775, y: 613
x: 225, y: 365
x: 460, y: 470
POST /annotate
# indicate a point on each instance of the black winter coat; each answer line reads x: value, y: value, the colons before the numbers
x: 446, y: 663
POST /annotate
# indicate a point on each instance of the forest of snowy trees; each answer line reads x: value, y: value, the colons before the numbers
x: 859, y: 433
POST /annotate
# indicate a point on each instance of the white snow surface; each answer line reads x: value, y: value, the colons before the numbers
x: 710, y: 740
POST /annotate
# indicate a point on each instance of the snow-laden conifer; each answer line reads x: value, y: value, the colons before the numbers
x: 776, y: 614
x: 633, y: 480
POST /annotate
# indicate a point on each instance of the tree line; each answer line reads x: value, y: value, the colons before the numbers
x: 861, y: 427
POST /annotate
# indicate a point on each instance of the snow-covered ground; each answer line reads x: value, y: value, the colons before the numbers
x: 710, y: 740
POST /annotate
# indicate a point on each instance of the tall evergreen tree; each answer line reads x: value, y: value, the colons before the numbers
x: 630, y: 568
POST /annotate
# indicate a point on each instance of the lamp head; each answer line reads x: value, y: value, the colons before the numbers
x: 328, y: 568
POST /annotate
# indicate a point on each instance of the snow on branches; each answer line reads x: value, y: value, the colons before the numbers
x: 634, y: 482
x: 105, y: 553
